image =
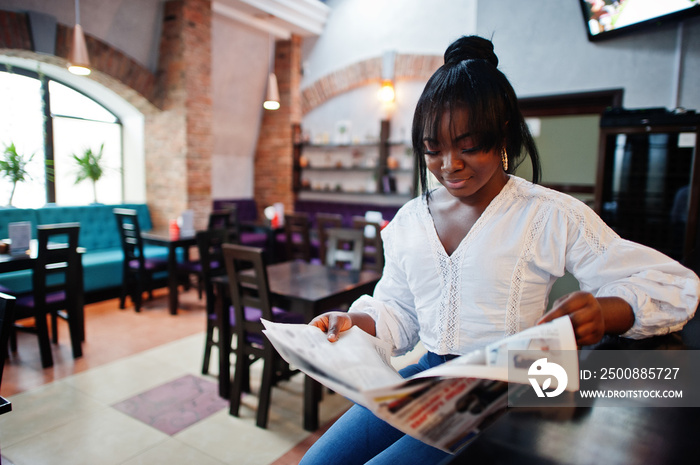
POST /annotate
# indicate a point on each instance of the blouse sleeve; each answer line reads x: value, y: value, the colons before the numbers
x: 663, y: 294
x: 392, y: 304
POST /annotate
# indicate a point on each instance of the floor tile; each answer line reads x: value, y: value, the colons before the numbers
x: 124, y: 378
x: 238, y: 441
x: 106, y: 437
x: 43, y: 409
x: 172, y: 452
x: 173, y: 406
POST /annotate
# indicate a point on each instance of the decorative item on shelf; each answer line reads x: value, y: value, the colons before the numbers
x: 303, y: 162
x: 90, y: 167
x: 342, y: 132
x: 392, y: 163
x: 14, y: 167
x: 357, y: 158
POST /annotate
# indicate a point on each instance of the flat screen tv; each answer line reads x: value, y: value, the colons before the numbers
x: 608, y: 18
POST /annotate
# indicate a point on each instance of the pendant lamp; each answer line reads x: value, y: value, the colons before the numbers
x: 78, y: 60
x: 272, y: 96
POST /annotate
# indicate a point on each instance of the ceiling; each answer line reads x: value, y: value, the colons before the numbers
x: 281, y: 18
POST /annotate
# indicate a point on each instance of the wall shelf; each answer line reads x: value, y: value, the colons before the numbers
x: 362, y: 169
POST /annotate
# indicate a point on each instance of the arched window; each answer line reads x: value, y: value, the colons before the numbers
x: 48, y: 123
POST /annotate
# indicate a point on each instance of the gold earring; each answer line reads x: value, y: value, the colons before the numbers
x: 504, y: 159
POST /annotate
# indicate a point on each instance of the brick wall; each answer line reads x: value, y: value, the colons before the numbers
x: 273, y: 155
x: 407, y: 66
x: 180, y: 145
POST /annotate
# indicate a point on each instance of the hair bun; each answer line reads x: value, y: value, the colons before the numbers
x: 470, y: 48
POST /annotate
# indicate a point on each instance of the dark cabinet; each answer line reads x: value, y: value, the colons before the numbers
x: 647, y: 185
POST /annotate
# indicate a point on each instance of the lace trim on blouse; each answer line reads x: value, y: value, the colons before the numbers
x: 450, y: 271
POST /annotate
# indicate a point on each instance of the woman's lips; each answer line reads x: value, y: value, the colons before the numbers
x: 455, y: 183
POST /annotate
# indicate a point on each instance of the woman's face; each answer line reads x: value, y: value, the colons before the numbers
x: 458, y: 162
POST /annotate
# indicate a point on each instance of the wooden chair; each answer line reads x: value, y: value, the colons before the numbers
x: 250, y: 296
x: 57, y: 289
x: 227, y: 219
x: 138, y: 270
x: 345, y: 248
x: 324, y: 221
x: 297, y: 236
x: 211, y: 257
x: 219, y: 220
x: 374, y: 248
x: 7, y: 320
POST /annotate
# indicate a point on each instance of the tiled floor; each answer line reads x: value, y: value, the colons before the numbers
x: 67, y: 414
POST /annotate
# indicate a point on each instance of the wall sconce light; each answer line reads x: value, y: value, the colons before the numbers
x: 78, y: 59
x: 272, y: 96
x: 387, y: 94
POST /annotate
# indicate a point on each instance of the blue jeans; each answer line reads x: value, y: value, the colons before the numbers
x: 359, y: 437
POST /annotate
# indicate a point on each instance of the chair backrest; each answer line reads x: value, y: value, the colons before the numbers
x: 130, y: 233
x: 227, y: 219
x: 7, y: 319
x: 58, y: 264
x: 297, y: 236
x: 345, y: 248
x: 248, y: 284
x: 374, y: 247
x: 211, y: 258
x: 324, y: 221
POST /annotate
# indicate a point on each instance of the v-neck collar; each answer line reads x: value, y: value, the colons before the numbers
x: 491, y: 208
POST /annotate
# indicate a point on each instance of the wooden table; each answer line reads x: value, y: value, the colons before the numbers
x: 588, y: 435
x: 304, y: 288
x: 163, y: 239
x: 9, y: 263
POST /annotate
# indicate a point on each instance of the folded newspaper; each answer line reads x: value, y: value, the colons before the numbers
x: 445, y: 406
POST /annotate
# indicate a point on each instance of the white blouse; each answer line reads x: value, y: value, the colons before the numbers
x: 497, y: 281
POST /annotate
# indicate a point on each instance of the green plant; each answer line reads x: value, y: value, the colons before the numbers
x: 14, y: 167
x: 90, y: 167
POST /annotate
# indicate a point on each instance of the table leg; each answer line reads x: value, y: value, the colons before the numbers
x: 312, y: 396
x: 172, y: 280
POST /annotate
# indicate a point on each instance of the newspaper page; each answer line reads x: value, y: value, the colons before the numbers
x: 445, y: 406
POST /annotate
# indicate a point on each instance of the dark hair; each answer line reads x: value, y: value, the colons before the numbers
x: 470, y: 80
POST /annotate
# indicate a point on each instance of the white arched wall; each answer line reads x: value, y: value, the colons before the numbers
x: 134, y: 188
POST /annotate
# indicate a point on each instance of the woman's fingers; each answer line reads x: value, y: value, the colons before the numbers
x: 332, y: 323
x: 585, y: 313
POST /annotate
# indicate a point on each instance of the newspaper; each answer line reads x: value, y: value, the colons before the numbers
x: 445, y: 406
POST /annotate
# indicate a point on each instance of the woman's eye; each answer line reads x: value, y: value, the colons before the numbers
x: 430, y: 152
x: 474, y: 149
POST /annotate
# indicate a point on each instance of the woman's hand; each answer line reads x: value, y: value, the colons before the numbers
x: 334, y: 323
x: 585, y: 313
x: 592, y: 317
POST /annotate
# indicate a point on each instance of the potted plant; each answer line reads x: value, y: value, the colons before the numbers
x: 90, y: 167
x: 14, y: 167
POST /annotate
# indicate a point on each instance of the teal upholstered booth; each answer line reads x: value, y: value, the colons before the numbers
x: 102, y: 260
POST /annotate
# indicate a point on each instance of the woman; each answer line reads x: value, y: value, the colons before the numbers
x: 474, y: 260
